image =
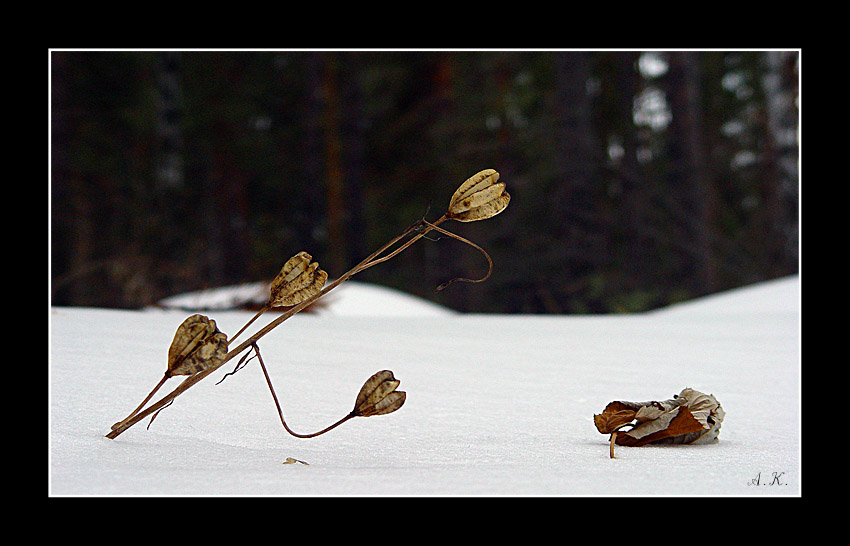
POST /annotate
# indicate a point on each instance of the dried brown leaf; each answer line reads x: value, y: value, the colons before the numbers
x: 675, y: 422
x: 614, y: 415
x: 290, y: 460
x: 691, y: 417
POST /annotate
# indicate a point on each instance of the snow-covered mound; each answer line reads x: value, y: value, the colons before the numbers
x: 354, y: 298
x: 351, y: 298
x: 242, y: 296
x: 776, y: 296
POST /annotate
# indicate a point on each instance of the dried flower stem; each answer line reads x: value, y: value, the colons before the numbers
x: 428, y: 226
x: 467, y: 241
x: 280, y: 412
x: 255, y: 317
x: 145, y: 401
x: 190, y: 381
x: 366, y: 264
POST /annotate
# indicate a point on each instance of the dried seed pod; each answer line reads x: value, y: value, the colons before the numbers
x: 198, y: 344
x: 297, y: 281
x: 479, y: 198
x: 378, y: 395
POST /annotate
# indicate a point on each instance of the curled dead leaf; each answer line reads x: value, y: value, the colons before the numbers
x: 378, y: 395
x: 290, y: 460
x: 691, y: 417
x: 480, y: 197
x: 197, y: 345
x: 615, y: 415
x: 297, y: 281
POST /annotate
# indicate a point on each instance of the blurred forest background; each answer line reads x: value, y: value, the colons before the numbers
x: 638, y: 179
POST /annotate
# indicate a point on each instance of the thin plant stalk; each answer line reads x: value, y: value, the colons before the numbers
x: 613, y: 439
x: 280, y: 412
x: 366, y: 264
x: 193, y: 379
x: 145, y: 401
x: 255, y: 317
x: 467, y: 241
x: 434, y: 226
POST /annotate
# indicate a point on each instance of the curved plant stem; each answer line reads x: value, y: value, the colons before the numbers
x: 157, y: 413
x: 280, y: 412
x: 467, y: 241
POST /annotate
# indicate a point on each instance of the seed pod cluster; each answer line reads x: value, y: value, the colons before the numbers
x: 198, y: 344
x: 298, y: 281
x: 482, y: 196
x: 378, y: 395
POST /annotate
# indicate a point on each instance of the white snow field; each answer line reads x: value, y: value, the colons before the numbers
x: 497, y: 405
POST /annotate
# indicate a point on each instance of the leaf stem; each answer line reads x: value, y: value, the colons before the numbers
x: 613, y: 439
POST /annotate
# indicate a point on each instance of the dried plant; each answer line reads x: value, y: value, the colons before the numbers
x: 691, y: 417
x: 199, y: 348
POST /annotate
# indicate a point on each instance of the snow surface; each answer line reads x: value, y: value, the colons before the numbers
x: 497, y: 405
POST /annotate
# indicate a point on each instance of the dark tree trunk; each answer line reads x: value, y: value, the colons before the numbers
x: 690, y: 175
